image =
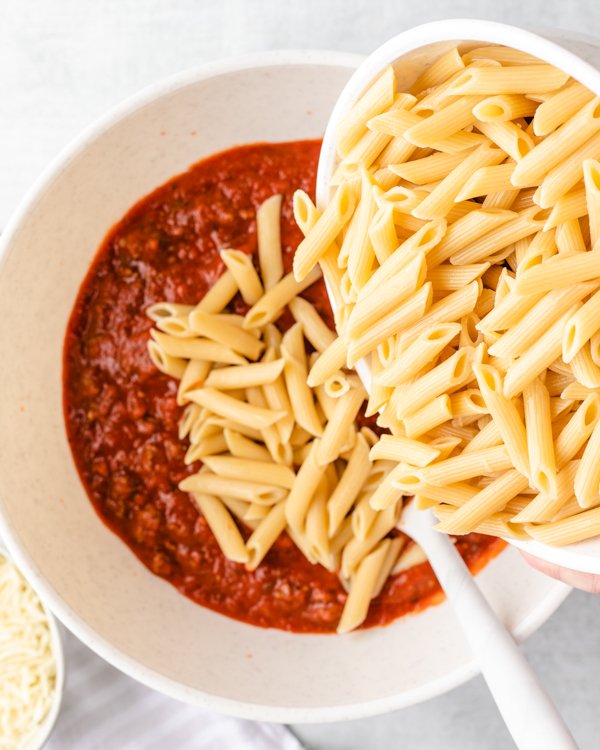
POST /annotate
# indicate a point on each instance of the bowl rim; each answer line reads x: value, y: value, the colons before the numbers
x: 43, y: 731
x: 25, y: 560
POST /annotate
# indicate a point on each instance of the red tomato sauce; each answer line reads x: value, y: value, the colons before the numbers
x: 121, y: 413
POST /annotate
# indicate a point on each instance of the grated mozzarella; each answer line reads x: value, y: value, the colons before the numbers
x: 27, y: 662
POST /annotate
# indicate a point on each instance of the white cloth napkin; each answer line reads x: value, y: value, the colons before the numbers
x: 104, y: 709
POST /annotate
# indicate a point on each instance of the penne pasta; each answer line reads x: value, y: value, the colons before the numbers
x: 518, y: 79
x: 271, y: 305
x: 268, y: 235
x: 242, y: 269
x: 222, y: 526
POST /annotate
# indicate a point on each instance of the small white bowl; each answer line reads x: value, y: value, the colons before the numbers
x: 42, y: 732
x: 92, y: 581
x: 409, y: 53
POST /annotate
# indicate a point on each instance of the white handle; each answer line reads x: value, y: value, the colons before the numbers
x: 531, y: 717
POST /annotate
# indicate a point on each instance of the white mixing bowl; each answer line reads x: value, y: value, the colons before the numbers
x: 91, y: 580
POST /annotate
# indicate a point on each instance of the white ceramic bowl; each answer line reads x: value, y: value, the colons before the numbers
x: 92, y: 581
x: 38, y: 738
x: 409, y: 53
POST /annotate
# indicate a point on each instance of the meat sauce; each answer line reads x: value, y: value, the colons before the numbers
x: 121, y: 413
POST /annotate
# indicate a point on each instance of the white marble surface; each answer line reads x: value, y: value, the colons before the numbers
x: 64, y: 62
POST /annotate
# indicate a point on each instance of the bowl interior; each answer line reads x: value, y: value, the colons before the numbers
x: 90, y: 578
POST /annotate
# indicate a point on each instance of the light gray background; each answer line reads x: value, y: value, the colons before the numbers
x: 64, y: 62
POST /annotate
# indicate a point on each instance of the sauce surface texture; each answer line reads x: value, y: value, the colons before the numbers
x: 121, y: 413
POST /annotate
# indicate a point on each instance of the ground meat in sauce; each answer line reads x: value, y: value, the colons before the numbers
x: 121, y: 414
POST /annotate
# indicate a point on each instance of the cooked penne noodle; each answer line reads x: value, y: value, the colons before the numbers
x: 329, y: 362
x: 208, y: 446
x: 439, y: 71
x: 558, y: 145
x: 405, y: 315
x: 498, y: 524
x: 176, y: 325
x: 245, y: 376
x: 537, y: 320
x: 362, y: 589
x: 567, y: 531
x: 444, y: 377
x: 219, y: 295
x: 528, y: 222
x: 485, y: 503
x: 362, y: 517
x: 422, y: 421
x: 540, y: 446
x: 566, y: 174
x: 429, y: 168
x: 591, y: 176
x: 465, y: 231
x: 443, y: 122
x: 560, y: 272
x: 467, y: 403
x: 295, y: 372
x: 222, y: 526
x: 382, y: 233
x: 371, y: 308
x: 242, y: 269
x: 486, y: 180
x: 518, y: 79
x: 268, y: 237
x: 403, y: 450
x: 580, y: 327
x: 193, y: 377
x: 307, y: 480
x: 409, y: 557
x: 503, y: 55
x: 459, y: 468
x: 264, y: 535
x: 545, y: 506
x: 504, y: 107
x: 585, y: 370
x: 447, y: 310
x: 270, y: 306
x: 343, y: 496
x: 577, y: 431
x: 316, y: 524
x: 313, y: 326
x: 326, y: 229
x: 587, y: 478
x: 242, y: 447
x: 560, y: 107
x: 234, y: 409
x: 569, y: 239
x: 356, y: 549
x: 538, y: 358
x: 166, y: 363
x: 568, y: 208
x: 251, y: 470
x: 513, y: 141
x: 441, y: 199
x: 346, y: 409
x: 422, y: 242
x: 378, y: 97
x: 450, y: 278
x: 203, y: 349
x: 162, y: 310
x: 212, y: 484
x: 423, y: 350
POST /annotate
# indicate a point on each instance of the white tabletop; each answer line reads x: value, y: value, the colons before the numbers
x: 64, y: 62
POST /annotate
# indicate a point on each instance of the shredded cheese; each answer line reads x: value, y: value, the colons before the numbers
x: 27, y: 661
